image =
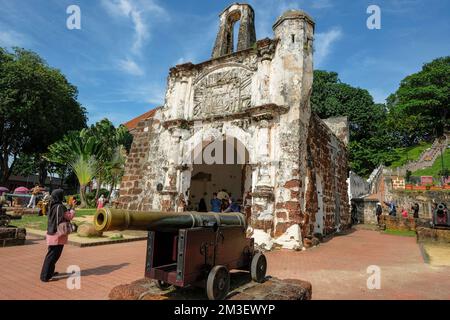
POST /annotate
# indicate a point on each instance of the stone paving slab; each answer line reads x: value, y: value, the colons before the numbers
x: 336, y: 269
x: 436, y: 254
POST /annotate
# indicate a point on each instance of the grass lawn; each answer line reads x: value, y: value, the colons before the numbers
x: 436, y: 167
x: 400, y: 233
x: 409, y: 154
x: 40, y: 223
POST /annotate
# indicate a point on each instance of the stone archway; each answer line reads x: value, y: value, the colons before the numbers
x: 217, y: 163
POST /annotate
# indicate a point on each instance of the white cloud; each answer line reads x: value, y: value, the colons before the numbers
x: 324, y: 42
x: 136, y: 11
x: 131, y: 67
x: 10, y: 38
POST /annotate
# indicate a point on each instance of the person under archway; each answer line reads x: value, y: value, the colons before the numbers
x: 202, y: 205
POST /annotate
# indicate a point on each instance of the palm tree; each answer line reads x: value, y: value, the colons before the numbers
x: 116, y: 167
x: 98, y: 152
x: 85, y: 169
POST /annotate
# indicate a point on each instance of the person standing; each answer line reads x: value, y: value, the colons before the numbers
x: 392, y: 208
x: 233, y: 206
x: 100, y: 202
x: 378, y: 212
x: 415, y: 209
x: 216, y: 204
x: 34, y: 192
x: 57, y: 214
x: 404, y: 213
x: 202, y: 206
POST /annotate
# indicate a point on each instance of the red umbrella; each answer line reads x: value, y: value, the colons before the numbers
x: 21, y: 190
x: 3, y: 190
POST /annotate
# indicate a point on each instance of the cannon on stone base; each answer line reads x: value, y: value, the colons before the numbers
x: 191, y: 249
x: 441, y: 216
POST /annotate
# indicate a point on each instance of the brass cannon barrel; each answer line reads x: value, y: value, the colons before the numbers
x: 107, y: 219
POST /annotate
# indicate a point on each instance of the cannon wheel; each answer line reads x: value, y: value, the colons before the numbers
x: 218, y: 283
x: 163, y: 285
x: 258, y: 267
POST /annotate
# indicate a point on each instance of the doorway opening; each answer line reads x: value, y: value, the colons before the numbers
x: 230, y: 173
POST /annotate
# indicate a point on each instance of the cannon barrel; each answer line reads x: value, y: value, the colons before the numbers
x: 107, y: 219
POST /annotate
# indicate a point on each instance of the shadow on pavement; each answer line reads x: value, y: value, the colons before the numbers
x: 103, y: 270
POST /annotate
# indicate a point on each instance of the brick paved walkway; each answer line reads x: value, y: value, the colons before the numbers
x: 336, y: 269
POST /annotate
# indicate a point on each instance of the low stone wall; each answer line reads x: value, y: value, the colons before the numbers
x: 425, y: 199
x: 403, y: 224
x: 12, y: 236
x: 241, y: 289
x: 433, y: 235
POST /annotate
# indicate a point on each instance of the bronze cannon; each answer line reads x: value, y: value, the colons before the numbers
x: 191, y: 248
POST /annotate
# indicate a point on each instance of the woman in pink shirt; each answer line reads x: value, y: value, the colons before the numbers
x: 404, y: 213
x: 57, y: 213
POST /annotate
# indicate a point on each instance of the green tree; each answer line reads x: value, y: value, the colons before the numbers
x: 37, y: 107
x: 101, y: 143
x: 78, y: 150
x: 371, y: 142
x: 116, y: 168
x: 85, y: 169
x: 110, y: 139
x: 420, y: 107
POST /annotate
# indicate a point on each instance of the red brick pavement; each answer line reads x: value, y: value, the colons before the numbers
x: 336, y: 269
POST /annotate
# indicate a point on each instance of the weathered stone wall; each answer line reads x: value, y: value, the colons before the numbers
x: 144, y: 168
x: 358, y: 186
x: 340, y: 127
x: 425, y: 200
x: 366, y: 209
x: 327, y: 161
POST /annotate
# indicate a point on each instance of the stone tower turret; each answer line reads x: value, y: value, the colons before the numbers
x: 294, y: 31
x: 247, y: 35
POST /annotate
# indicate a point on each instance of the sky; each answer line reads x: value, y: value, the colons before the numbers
x: 120, y: 58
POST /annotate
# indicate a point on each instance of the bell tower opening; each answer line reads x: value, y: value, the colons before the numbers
x: 236, y: 31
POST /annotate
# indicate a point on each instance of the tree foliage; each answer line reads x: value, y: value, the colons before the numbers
x: 101, y: 147
x: 418, y: 111
x: 369, y: 140
x: 420, y: 107
x: 37, y: 107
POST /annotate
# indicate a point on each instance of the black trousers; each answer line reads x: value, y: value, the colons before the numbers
x: 53, y: 254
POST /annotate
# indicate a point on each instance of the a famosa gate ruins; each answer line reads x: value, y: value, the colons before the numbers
x: 248, y: 109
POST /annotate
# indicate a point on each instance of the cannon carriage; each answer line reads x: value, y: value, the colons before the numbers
x: 191, y: 249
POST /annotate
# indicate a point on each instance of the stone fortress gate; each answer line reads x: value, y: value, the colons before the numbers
x: 242, y: 122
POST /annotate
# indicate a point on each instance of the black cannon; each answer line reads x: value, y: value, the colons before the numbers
x: 441, y: 216
x: 197, y: 249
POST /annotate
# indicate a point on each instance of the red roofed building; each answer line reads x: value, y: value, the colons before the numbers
x: 132, y: 124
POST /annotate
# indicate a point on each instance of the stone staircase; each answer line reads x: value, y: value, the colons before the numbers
x: 428, y: 156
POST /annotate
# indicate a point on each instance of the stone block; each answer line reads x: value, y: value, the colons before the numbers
x: 242, y: 288
x: 88, y: 230
x: 12, y: 236
x: 433, y: 235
